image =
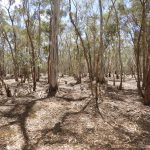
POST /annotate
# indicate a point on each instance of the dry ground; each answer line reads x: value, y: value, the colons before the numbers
x: 29, y: 121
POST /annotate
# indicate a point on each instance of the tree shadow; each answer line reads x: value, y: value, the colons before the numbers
x: 20, y: 112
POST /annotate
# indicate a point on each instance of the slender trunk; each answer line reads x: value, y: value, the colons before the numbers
x: 83, y: 46
x: 13, y: 57
x: 31, y: 42
x: 138, y: 72
x: 14, y: 48
x: 78, y: 57
x: 33, y: 67
x: 94, y: 54
x: 120, y: 59
x: 119, y: 44
x: 89, y: 56
x: 39, y: 43
x: 137, y: 50
x: 2, y: 63
x: 100, y: 77
x: 79, y: 61
x: 82, y: 42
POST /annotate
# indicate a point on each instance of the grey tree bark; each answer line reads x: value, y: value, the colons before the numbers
x: 53, y: 49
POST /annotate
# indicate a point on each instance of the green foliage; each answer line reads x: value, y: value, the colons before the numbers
x: 87, y: 19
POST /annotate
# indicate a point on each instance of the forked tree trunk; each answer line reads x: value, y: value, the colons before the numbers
x: 83, y: 46
x: 85, y: 52
x: 53, y: 49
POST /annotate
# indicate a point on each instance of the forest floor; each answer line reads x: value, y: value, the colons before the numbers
x: 29, y: 121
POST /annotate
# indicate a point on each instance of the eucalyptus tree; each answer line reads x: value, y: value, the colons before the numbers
x: 40, y: 7
x: 29, y: 17
x: 145, y: 44
x: 53, y: 48
x: 138, y: 29
x: 142, y: 48
x: 100, y: 56
x: 134, y: 30
x: 11, y: 36
x: 2, y: 46
x: 119, y: 41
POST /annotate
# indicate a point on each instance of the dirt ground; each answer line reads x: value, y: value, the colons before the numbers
x: 30, y: 121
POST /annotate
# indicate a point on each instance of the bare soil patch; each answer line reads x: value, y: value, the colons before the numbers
x: 30, y: 121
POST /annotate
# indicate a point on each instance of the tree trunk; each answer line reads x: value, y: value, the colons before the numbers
x: 39, y: 43
x: 147, y: 89
x: 79, y: 61
x: 30, y: 38
x: 15, y: 62
x: 81, y: 40
x: 119, y: 44
x: 14, y: 50
x: 53, y: 49
x: 147, y: 71
x: 101, y: 78
x: 32, y: 55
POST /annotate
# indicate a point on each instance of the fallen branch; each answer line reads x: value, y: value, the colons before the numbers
x: 68, y: 99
